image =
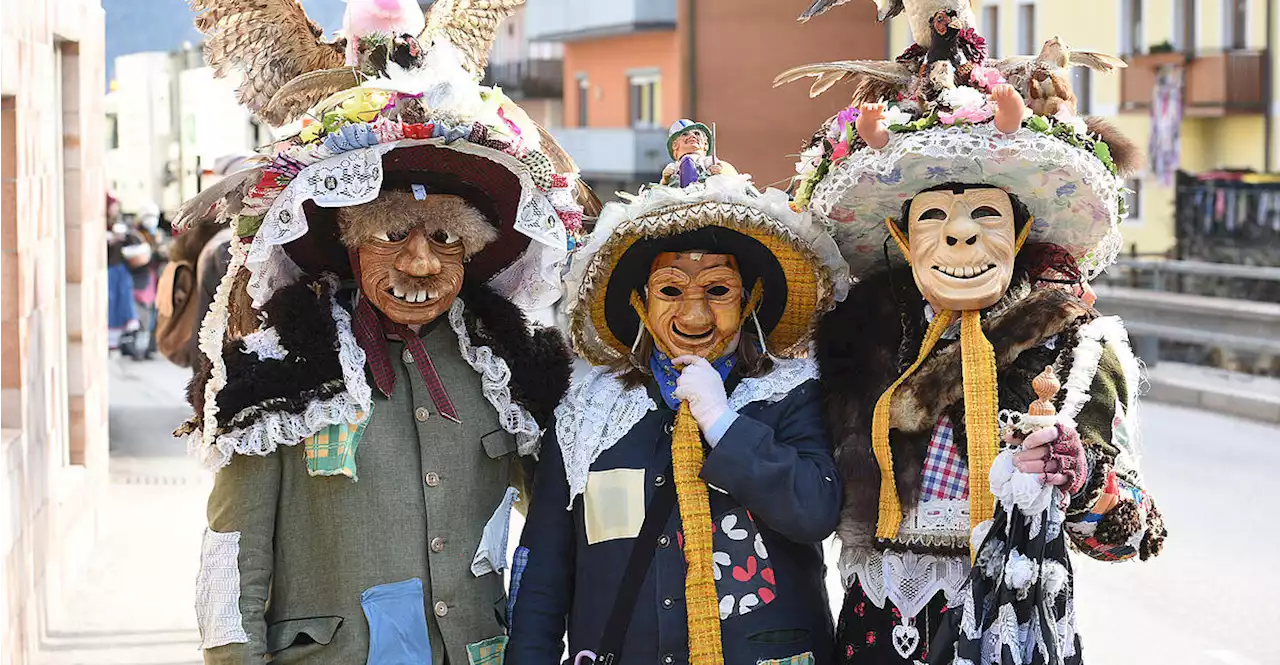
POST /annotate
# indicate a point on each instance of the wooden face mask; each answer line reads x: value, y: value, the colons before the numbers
x: 962, y: 246
x: 694, y: 302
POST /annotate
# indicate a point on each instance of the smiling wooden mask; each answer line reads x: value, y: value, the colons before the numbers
x: 962, y: 246
x: 694, y: 302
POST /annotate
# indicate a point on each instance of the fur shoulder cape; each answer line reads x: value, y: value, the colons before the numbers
x: 869, y: 340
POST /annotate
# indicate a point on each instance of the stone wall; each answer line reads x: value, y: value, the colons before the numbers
x: 53, y: 371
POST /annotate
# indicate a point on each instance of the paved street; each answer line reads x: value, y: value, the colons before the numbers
x: 1209, y: 600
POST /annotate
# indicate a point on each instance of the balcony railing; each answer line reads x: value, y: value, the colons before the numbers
x: 528, y: 79
x: 568, y: 20
x: 1214, y: 84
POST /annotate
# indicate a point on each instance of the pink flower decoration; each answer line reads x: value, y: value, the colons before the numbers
x: 987, y: 77
x: 973, y: 114
x: 840, y: 150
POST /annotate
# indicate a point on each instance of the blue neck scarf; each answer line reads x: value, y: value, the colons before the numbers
x: 666, y: 374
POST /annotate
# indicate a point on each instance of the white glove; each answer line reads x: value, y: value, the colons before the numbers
x: 701, y: 386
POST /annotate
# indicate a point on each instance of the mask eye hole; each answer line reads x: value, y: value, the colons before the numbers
x: 444, y: 237
x: 985, y: 211
x: 718, y: 290
x: 391, y: 236
x: 933, y: 214
x: 671, y: 292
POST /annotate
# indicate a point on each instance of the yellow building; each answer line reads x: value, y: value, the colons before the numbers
x: 1222, y: 47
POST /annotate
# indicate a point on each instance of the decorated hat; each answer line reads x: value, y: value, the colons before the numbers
x: 790, y: 255
x: 684, y: 126
x: 1067, y: 169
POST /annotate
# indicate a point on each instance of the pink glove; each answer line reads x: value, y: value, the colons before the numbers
x: 701, y: 386
x: 1055, y: 452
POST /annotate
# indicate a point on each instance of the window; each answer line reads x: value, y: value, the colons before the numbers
x: 645, y: 91
x: 1185, y: 25
x: 991, y: 29
x: 1027, y: 30
x: 584, y: 90
x: 1132, y: 35
x: 1237, y: 23
x: 113, y: 131
x: 1133, y: 199
x: 1082, y: 85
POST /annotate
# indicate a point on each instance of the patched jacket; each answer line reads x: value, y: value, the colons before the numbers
x: 774, y: 497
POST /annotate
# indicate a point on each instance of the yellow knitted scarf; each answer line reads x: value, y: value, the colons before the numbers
x: 978, y: 367
x: 702, y: 604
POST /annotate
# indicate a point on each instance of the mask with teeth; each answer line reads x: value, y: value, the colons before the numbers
x: 694, y: 302
x: 412, y: 252
x: 962, y: 245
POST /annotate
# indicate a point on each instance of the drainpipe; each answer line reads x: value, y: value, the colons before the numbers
x: 1269, y: 92
x: 692, y: 72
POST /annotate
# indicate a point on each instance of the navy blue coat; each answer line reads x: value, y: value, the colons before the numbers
x: 772, y: 473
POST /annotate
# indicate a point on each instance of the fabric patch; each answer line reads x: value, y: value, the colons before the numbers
x: 487, y: 652
x: 614, y: 504
x: 805, y: 658
x: 491, y: 555
x: 946, y: 475
x: 744, y: 575
x: 332, y: 450
x: 519, y: 562
x: 397, y: 623
x: 218, y: 591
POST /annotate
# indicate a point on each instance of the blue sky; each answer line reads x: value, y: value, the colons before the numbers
x: 163, y: 25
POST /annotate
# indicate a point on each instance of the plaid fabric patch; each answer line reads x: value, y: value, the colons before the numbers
x: 805, y: 658
x: 519, y: 561
x: 946, y: 476
x: 488, y: 652
x: 332, y: 450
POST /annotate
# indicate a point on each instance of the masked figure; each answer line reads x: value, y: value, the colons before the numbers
x: 975, y: 226
x: 370, y: 389
x: 697, y: 436
x: 692, y: 148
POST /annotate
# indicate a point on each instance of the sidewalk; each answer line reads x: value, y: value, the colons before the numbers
x: 134, y: 605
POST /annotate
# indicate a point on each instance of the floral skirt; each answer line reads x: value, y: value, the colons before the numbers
x: 869, y: 635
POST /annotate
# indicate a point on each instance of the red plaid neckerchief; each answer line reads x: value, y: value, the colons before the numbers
x: 372, y: 331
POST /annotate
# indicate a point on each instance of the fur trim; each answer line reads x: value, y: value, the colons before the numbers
x: 1125, y: 153
x: 539, y: 360
x: 397, y: 212
x: 1153, y: 540
x: 1119, y: 524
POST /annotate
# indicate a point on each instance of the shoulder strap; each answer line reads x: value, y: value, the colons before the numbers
x: 642, y: 553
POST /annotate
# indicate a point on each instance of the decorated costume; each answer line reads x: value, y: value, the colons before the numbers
x: 688, y: 144
x: 369, y: 383
x: 692, y: 304
x: 1003, y: 216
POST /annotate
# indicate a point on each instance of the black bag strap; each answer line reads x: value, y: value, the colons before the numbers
x: 642, y: 553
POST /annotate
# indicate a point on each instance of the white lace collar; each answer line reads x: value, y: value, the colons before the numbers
x: 600, y: 409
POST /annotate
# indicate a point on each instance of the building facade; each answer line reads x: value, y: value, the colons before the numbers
x: 1220, y: 56
x: 53, y: 405
x: 632, y: 67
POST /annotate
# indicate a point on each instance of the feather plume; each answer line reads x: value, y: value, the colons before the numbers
x: 470, y: 25
x: 893, y: 75
x: 269, y: 41
x: 1124, y: 152
x: 302, y: 93
x: 1094, y: 60
x: 224, y: 196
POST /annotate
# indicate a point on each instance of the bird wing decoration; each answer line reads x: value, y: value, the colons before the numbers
x: 1017, y: 69
x: 270, y: 42
x: 224, y: 197
x: 303, y: 93
x: 869, y: 75
x: 470, y: 25
x: 885, y: 9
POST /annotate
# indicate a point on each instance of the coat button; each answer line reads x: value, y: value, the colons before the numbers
x: 407, y: 357
x: 421, y: 414
x: 659, y: 480
x: 668, y: 659
x: 437, y: 545
x: 664, y: 541
x: 432, y: 478
x: 667, y: 603
x: 441, y: 609
x: 669, y: 428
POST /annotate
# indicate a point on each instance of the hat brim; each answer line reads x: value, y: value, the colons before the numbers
x: 1073, y: 197
x: 797, y: 285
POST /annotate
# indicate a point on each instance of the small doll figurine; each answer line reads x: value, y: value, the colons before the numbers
x: 689, y: 143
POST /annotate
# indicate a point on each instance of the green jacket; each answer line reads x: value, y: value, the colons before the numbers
x: 308, y: 547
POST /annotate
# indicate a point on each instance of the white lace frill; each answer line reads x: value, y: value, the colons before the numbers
x: 1094, y: 337
x: 495, y: 384
x: 600, y: 409
x: 908, y: 579
x: 274, y: 429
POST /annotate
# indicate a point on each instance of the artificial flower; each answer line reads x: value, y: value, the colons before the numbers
x: 966, y: 114
x: 310, y: 130
x: 986, y: 78
x: 364, y: 107
x: 962, y: 96
x: 895, y: 116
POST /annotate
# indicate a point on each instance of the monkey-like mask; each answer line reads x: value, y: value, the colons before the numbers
x: 412, y: 251
x: 962, y: 244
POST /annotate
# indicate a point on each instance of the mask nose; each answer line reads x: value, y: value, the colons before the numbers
x: 961, y: 229
x: 417, y: 258
x: 695, y: 315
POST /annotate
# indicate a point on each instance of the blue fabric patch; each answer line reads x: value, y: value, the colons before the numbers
x: 397, y: 623
x: 518, y: 563
x: 666, y: 373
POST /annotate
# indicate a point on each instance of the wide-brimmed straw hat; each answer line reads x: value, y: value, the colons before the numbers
x: 792, y: 258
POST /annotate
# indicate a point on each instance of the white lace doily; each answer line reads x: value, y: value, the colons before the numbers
x: 936, y: 523
x: 495, y: 384
x: 908, y: 579
x: 1074, y: 198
